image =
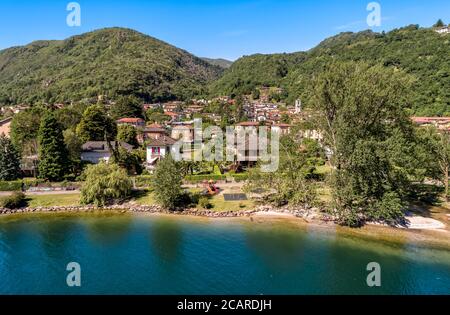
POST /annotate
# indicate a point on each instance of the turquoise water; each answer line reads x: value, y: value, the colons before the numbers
x: 156, y: 255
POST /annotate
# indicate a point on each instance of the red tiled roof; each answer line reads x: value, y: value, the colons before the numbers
x: 170, y: 114
x: 161, y: 141
x: 130, y: 120
x: 155, y: 126
x: 282, y: 125
x: 430, y: 119
x: 248, y: 123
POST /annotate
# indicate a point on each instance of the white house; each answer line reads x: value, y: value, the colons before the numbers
x: 443, y: 30
x: 158, y: 149
x: 97, y: 151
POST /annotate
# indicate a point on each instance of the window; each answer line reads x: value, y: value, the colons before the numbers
x: 156, y: 150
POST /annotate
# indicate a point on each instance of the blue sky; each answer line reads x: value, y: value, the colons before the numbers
x: 207, y: 28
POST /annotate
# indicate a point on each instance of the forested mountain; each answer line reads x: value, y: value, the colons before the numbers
x: 107, y: 62
x: 423, y: 53
x: 251, y: 71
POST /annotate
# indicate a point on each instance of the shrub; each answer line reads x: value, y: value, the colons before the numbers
x: 204, y: 203
x: 143, y: 180
x: 17, y: 184
x: 105, y: 183
x: 167, y: 183
x: 14, y: 201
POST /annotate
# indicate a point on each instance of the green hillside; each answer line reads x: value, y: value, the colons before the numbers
x: 105, y: 62
x: 422, y: 53
x: 251, y: 71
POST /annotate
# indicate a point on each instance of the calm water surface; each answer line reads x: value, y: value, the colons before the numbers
x: 157, y: 255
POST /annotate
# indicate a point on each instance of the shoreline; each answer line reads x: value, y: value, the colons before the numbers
x: 427, y: 238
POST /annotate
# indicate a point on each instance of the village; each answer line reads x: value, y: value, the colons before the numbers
x: 158, y: 134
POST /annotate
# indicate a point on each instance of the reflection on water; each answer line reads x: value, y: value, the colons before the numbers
x: 166, y: 239
x: 276, y: 250
x: 108, y: 230
x: 123, y: 254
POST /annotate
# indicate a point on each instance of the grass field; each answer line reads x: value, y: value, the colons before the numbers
x: 220, y: 205
x: 144, y: 198
x: 50, y: 200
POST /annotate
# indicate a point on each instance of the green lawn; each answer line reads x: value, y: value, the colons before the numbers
x: 50, y: 200
x: 144, y: 198
x: 219, y: 204
x: 323, y: 169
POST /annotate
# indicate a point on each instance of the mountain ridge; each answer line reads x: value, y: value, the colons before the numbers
x: 117, y: 61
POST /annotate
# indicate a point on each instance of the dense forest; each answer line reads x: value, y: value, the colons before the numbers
x: 109, y: 62
x: 117, y: 61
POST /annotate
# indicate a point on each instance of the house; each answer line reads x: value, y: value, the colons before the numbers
x: 97, y: 151
x: 135, y: 122
x: 247, y: 124
x: 173, y: 116
x: 443, y: 30
x: 151, y: 106
x: 153, y: 131
x: 29, y: 165
x: 158, y: 149
x: 186, y: 132
x: 441, y: 123
x: 5, y: 126
x: 284, y: 129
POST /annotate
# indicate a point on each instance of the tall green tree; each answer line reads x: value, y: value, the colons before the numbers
x: 24, y: 130
x: 436, y: 161
x: 439, y: 23
x: 69, y: 117
x: 73, y: 144
x: 167, y: 183
x: 9, y: 160
x: 127, y: 106
x: 105, y: 183
x: 53, y: 154
x: 96, y: 125
x: 361, y: 115
x: 291, y: 183
x: 238, y: 112
x: 128, y: 134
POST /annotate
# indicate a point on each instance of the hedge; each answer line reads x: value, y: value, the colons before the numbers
x: 16, y: 185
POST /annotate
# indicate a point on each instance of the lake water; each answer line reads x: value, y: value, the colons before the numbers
x: 159, y: 255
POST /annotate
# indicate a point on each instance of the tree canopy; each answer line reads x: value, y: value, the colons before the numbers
x: 96, y: 125
x: 53, y: 155
x: 9, y: 160
x: 167, y: 183
x: 105, y: 183
x: 362, y: 116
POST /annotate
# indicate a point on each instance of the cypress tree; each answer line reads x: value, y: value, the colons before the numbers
x: 53, y: 154
x: 9, y: 160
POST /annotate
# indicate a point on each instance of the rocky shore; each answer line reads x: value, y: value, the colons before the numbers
x: 310, y: 214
